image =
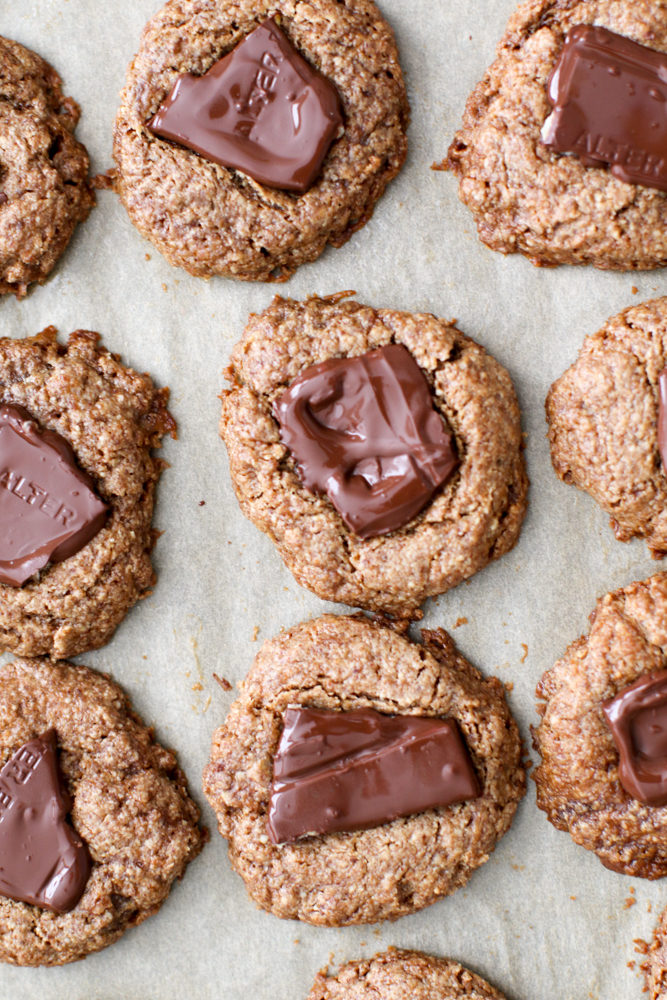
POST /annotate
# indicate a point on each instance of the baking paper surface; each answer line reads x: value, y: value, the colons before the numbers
x: 542, y: 920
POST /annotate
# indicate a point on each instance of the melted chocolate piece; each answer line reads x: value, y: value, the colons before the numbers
x: 637, y: 718
x: 42, y: 860
x: 260, y: 109
x: 48, y: 506
x: 342, y: 771
x: 610, y: 105
x: 364, y: 431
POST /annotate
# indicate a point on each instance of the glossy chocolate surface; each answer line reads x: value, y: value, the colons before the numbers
x: 609, y: 96
x: 343, y: 771
x: 48, y: 506
x: 637, y: 718
x: 364, y: 431
x: 42, y: 860
x: 260, y: 109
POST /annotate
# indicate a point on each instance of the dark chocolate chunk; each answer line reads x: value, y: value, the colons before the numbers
x: 42, y: 860
x: 48, y: 506
x: 342, y: 771
x: 637, y: 718
x: 364, y: 431
x: 260, y: 109
x: 610, y: 105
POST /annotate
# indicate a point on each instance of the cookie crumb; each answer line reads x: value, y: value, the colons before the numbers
x: 641, y: 947
x: 198, y: 687
x: 631, y: 966
x: 202, y: 503
x: 630, y: 901
x: 509, y: 686
x: 223, y: 682
x: 573, y: 897
x: 164, y: 287
x: 148, y: 256
x: 459, y: 622
x: 524, y: 646
x: 255, y: 633
x: 634, y: 290
x: 106, y: 181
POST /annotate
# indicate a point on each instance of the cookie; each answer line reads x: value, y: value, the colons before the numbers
x: 655, y: 970
x: 474, y: 518
x: 345, y: 664
x: 213, y: 219
x: 110, y: 418
x: 44, y: 187
x: 128, y: 804
x: 402, y: 975
x: 582, y: 781
x: 554, y: 207
x: 603, y: 423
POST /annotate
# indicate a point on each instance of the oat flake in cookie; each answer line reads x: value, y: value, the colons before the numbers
x: 473, y: 516
x: 604, y: 418
x: 212, y: 219
x: 44, y: 188
x: 402, y: 975
x: 574, y: 207
x: 345, y: 664
x: 580, y: 784
x: 97, y: 421
x: 127, y: 802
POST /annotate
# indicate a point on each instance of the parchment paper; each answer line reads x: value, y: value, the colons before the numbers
x: 542, y: 920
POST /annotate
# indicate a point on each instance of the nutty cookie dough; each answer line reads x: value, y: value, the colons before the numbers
x: 579, y: 782
x: 476, y: 516
x: 402, y: 975
x: 655, y: 971
x: 129, y: 805
x: 526, y: 197
x: 346, y: 663
x: 44, y: 188
x: 210, y: 219
x: 603, y: 423
x: 112, y: 417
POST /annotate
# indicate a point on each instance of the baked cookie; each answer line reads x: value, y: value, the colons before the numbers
x: 127, y: 800
x: 212, y: 219
x: 402, y: 975
x: 344, y: 664
x: 655, y: 971
x: 590, y: 748
x: 603, y: 423
x: 44, y: 188
x: 474, y: 518
x: 528, y: 197
x: 110, y: 417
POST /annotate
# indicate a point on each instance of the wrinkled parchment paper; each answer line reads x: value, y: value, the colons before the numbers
x: 542, y: 920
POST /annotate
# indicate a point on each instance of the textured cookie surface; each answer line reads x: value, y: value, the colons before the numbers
x: 213, y: 220
x: 529, y: 199
x: 44, y: 190
x: 402, y: 975
x: 474, y: 519
x: 130, y: 806
x: 603, y: 423
x: 112, y: 417
x: 578, y: 784
x: 655, y: 971
x: 345, y: 663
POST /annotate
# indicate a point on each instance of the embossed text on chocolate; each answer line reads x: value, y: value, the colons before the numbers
x: 36, y: 496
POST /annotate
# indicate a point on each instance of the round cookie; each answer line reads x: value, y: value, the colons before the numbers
x: 210, y: 219
x: 130, y: 807
x: 44, y: 188
x: 655, y: 970
x: 528, y: 199
x: 402, y: 975
x: 345, y: 663
x: 474, y: 519
x: 603, y: 423
x: 578, y: 783
x: 112, y: 417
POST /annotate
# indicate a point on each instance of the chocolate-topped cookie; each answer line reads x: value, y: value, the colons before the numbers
x: 44, y: 187
x: 105, y: 808
x: 380, y: 450
x: 402, y: 975
x: 563, y: 151
x: 603, y: 734
x: 605, y: 415
x: 274, y: 127
x: 77, y: 483
x: 361, y: 776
